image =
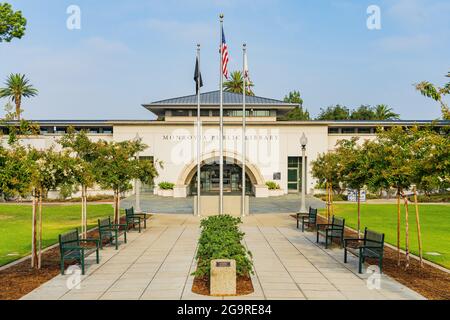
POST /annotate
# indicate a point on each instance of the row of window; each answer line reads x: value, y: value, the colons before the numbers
x: 352, y: 130
x: 62, y: 130
x: 226, y: 113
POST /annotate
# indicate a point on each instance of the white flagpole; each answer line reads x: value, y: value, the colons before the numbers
x: 198, y: 134
x: 244, y: 149
x: 221, y: 121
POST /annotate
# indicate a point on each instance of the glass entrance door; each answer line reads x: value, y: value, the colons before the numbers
x: 210, y: 180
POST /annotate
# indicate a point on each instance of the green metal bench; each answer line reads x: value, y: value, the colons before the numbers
x: 70, y: 248
x: 309, y: 220
x: 333, y: 230
x: 142, y: 215
x: 371, y: 246
x: 111, y: 232
x: 132, y: 220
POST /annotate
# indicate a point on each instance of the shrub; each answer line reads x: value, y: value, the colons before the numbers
x: 221, y: 239
x: 336, y: 197
x: 272, y: 185
x: 166, y: 185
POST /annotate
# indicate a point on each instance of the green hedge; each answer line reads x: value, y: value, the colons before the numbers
x: 221, y: 239
x: 166, y: 185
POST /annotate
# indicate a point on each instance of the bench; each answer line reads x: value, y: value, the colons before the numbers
x: 332, y: 230
x: 309, y: 220
x: 111, y: 232
x: 70, y: 248
x: 371, y: 246
x: 132, y: 220
x: 142, y: 215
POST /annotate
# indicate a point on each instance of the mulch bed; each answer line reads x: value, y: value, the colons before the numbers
x: 19, y: 280
x: 429, y: 281
x: 244, y: 285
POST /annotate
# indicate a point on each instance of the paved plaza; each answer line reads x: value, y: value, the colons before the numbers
x: 289, y: 203
x: 157, y: 264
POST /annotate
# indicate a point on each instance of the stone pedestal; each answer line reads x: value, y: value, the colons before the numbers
x: 223, y: 277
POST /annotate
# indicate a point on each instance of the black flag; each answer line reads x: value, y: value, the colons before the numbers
x: 197, y: 77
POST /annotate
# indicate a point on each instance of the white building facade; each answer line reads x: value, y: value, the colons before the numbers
x: 273, y: 150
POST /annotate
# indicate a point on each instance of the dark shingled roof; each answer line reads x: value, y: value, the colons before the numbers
x: 213, y: 98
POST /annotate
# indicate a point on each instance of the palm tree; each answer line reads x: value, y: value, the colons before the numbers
x: 17, y: 87
x: 236, y: 83
x: 384, y: 112
x: 429, y: 90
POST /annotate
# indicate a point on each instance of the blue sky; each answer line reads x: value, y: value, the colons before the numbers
x: 131, y: 52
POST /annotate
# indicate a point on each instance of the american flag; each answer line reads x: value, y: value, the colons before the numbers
x: 224, y: 52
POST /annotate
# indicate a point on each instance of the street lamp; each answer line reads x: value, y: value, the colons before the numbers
x: 303, y: 143
x: 137, y: 186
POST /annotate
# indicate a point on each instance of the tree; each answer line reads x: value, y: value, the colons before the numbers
x: 236, y: 84
x: 429, y: 90
x: 84, y: 152
x: 12, y: 24
x: 336, y: 112
x: 364, y: 112
x: 355, y: 166
x: 18, y: 87
x: 326, y: 169
x: 116, y: 165
x: 384, y: 112
x: 391, y: 166
x: 298, y: 113
x: 49, y: 170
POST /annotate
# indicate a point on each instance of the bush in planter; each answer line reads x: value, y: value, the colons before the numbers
x: 221, y: 239
x: 166, y: 185
x: 273, y: 185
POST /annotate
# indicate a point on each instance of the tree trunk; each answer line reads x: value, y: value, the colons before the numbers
x: 331, y: 199
x: 359, y: 212
x: 398, y: 226
x: 18, y: 102
x: 83, y: 212
x: 33, y: 233
x: 116, y: 207
x: 328, y: 202
x: 40, y: 230
x: 419, y: 234
x: 406, y: 231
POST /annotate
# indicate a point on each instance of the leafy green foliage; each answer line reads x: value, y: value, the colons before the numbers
x: 16, y: 88
x: 364, y: 112
x: 236, y: 84
x: 12, y: 24
x: 166, y: 185
x: 429, y: 90
x: 272, y: 185
x: 221, y: 239
x: 326, y: 169
x: 298, y: 113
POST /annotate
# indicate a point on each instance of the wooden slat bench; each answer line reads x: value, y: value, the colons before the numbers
x: 111, y: 232
x: 141, y: 214
x: 371, y: 246
x: 333, y: 230
x: 70, y: 247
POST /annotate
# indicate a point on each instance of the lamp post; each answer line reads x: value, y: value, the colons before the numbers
x: 303, y: 142
x: 137, y: 188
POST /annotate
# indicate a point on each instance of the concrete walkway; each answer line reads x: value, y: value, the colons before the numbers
x: 289, y: 203
x: 157, y: 264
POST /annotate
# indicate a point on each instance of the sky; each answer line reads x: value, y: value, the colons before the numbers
x: 132, y: 52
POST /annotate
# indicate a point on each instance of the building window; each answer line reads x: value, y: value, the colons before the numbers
x: 180, y: 113
x: 333, y: 130
x: 365, y: 130
x: 348, y: 130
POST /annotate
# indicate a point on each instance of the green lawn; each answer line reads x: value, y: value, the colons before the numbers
x: 434, y: 220
x: 15, y: 226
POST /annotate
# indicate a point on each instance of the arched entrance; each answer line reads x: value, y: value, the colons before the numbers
x: 210, y: 179
x: 232, y: 175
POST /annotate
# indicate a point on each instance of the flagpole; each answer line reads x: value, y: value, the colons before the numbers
x: 244, y: 149
x: 198, y: 135
x: 221, y: 121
